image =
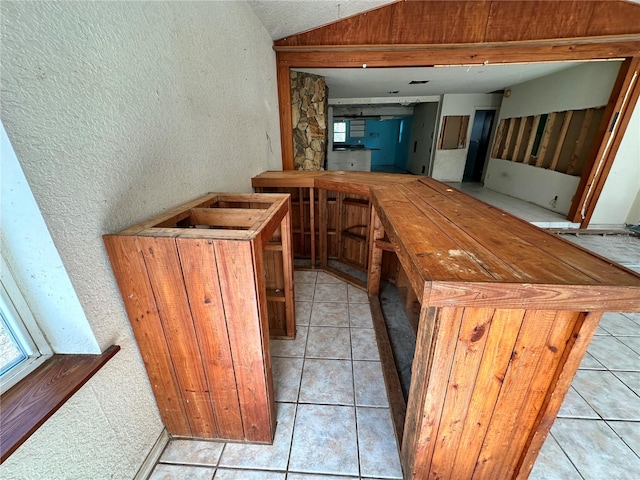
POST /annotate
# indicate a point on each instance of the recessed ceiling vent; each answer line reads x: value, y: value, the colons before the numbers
x: 394, y: 92
x: 418, y: 82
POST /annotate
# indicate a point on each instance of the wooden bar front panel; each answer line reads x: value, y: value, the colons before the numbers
x: 204, y: 350
x: 491, y: 374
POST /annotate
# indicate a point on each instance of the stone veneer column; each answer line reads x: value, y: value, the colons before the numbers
x: 309, y: 103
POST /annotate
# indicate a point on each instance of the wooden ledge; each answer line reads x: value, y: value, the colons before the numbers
x: 33, y: 400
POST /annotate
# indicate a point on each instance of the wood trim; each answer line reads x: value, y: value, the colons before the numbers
x: 572, y: 356
x: 392, y: 381
x: 474, y: 54
x: 29, y: 404
x: 600, y: 41
x: 617, y: 115
x: 284, y: 103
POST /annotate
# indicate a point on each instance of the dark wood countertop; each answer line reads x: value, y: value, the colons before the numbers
x: 459, y: 251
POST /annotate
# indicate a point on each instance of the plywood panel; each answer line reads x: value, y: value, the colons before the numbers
x: 131, y: 274
x: 205, y: 300
x: 510, y: 21
x: 439, y: 22
x: 610, y: 18
x: 240, y: 301
x: 165, y: 276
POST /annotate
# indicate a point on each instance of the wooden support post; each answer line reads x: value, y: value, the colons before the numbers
x: 287, y: 266
x: 286, y: 120
x: 544, y: 144
x: 375, y: 254
x: 505, y: 149
x: 322, y: 208
x: 532, y: 139
x: 566, y: 121
x: 580, y: 142
x: 495, y: 151
x: 516, y: 149
x: 312, y: 225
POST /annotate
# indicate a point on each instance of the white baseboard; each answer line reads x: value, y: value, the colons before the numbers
x: 154, y: 455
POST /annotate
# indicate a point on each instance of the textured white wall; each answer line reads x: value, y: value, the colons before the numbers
x: 35, y: 263
x: 448, y: 165
x: 584, y: 86
x: 619, y: 201
x: 118, y: 111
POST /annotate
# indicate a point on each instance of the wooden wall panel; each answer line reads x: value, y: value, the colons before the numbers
x: 450, y: 22
x: 131, y: 273
x: 165, y: 276
x: 608, y: 19
x: 439, y: 22
x: 512, y: 21
x: 372, y: 27
x: 241, y: 310
x: 205, y: 300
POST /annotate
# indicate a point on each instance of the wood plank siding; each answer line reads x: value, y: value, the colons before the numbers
x: 204, y: 285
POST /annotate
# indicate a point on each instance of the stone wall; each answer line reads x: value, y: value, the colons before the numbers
x: 309, y: 96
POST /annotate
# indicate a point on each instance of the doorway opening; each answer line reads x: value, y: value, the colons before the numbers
x: 478, y: 145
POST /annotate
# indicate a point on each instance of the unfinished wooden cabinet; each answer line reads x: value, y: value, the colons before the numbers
x: 203, y: 285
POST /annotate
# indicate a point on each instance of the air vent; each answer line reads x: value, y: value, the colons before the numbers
x: 418, y: 82
x: 394, y: 92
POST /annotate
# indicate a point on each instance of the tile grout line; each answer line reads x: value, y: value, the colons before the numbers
x: 353, y: 380
x: 304, y: 360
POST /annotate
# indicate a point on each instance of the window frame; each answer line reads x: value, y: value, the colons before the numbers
x: 24, y: 327
x: 346, y: 130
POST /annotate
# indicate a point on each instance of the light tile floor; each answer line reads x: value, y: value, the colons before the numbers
x: 535, y: 214
x: 333, y: 417
x: 597, y: 432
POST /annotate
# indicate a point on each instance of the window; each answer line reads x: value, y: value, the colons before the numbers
x: 340, y: 131
x: 22, y: 346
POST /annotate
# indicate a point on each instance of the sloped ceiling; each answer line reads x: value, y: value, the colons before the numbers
x: 282, y: 18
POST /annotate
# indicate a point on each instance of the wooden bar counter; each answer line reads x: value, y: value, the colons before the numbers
x: 507, y: 311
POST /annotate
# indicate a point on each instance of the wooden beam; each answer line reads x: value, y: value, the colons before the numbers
x: 226, y: 217
x: 580, y: 142
x: 532, y: 139
x: 546, y: 136
x: 498, y: 138
x: 355, y: 56
x: 566, y: 121
x: 617, y: 115
x: 505, y: 149
x: 516, y: 149
x: 284, y: 104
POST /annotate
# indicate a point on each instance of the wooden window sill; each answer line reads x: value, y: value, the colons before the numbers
x: 29, y: 403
